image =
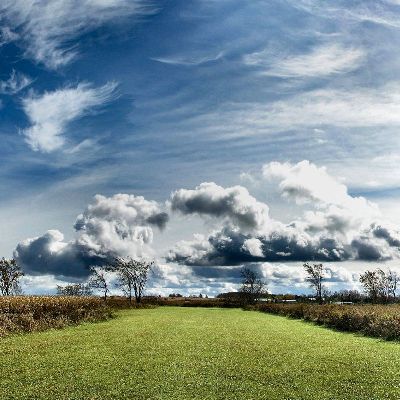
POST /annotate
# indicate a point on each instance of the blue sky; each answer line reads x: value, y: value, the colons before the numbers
x: 145, y: 98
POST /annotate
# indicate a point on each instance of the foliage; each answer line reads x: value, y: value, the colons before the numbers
x: 381, y: 321
x: 98, y: 280
x: 132, y: 275
x: 10, y: 275
x: 315, y: 276
x: 380, y: 286
x: 75, y: 289
x: 190, y: 354
x: 37, y: 313
x: 252, y: 286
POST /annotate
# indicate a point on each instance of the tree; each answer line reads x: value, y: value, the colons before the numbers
x: 74, y: 289
x: 371, y: 282
x: 392, y: 279
x: 132, y: 275
x: 315, y: 276
x: 252, y: 286
x: 10, y: 275
x: 380, y: 286
x: 98, y: 280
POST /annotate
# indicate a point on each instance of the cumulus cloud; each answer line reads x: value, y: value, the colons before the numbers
x: 50, y: 113
x: 15, y: 83
x: 234, y: 204
x: 322, y: 61
x: 120, y: 225
x: 334, y: 226
x: 295, y: 276
x: 48, y: 30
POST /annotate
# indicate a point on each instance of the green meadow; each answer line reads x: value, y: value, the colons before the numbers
x: 198, y: 353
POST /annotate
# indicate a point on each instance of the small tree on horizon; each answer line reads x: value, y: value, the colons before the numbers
x: 74, y: 289
x: 98, y: 280
x: 379, y: 285
x: 10, y: 275
x: 132, y: 276
x: 252, y: 286
x: 315, y: 276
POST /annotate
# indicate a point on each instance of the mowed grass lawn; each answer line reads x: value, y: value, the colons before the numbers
x: 195, y: 353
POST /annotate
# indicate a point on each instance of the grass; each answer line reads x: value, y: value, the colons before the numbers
x: 197, y: 353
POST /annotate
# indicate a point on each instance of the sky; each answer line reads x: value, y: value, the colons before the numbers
x: 204, y: 134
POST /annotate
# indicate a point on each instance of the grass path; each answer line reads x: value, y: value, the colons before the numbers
x: 194, y: 353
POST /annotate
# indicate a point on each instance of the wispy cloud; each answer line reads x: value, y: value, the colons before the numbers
x: 332, y: 107
x: 7, y: 35
x: 322, y: 61
x: 48, y: 29
x: 15, y: 83
x: 189, y: 60
x: 50, y: 113
x: 378, y: 12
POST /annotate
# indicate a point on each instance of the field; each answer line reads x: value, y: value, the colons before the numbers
x: 197, y: 353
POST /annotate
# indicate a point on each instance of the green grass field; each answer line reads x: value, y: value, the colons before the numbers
x: 197, y: 353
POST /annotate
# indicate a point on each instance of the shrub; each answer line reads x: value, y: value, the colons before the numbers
x: 36, y: 313
x: 381, y: 321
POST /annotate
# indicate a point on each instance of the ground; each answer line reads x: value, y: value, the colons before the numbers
x: 198, y: 353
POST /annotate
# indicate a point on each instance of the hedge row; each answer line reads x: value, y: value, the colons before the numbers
x: 36, y: 313
x: 382, y: 321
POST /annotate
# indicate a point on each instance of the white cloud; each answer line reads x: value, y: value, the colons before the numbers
x: 254, y: 247
x: 15, y: 83
x: 334, y: 226
x: 322, y: 61
x: 7, y: 35
x: 120, y: 225
x: 368, y: 10
x: 189, y: 61
x: 48, y: 29
x: 234, y: 203
x: 50, y: 113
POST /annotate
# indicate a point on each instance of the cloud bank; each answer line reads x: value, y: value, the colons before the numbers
x: 334, y: 225
x: 120, y: 225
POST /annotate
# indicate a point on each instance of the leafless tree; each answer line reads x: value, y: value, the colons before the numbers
x: 98, y: 280
x: 132, y: 275
x: 315, y: 276
x: 10, y: 275
x: 252, y: 286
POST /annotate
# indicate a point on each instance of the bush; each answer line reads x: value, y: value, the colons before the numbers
x: 381, y: 321
x: 37, y: 313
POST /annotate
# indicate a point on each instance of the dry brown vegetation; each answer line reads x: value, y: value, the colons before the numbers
x: 37, y: 313
x: 381, y: 321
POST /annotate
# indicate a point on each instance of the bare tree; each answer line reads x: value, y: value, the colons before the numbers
x: 132, y: 275
x: 315, y: 276
x: 10, y: 275
x: 98, y: 280
x: 252, y: 286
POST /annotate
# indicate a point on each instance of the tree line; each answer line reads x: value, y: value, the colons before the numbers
x: 132, y: 275
x: 379, y: 286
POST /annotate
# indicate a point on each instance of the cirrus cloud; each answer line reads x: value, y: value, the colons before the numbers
x: 51, y: 112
